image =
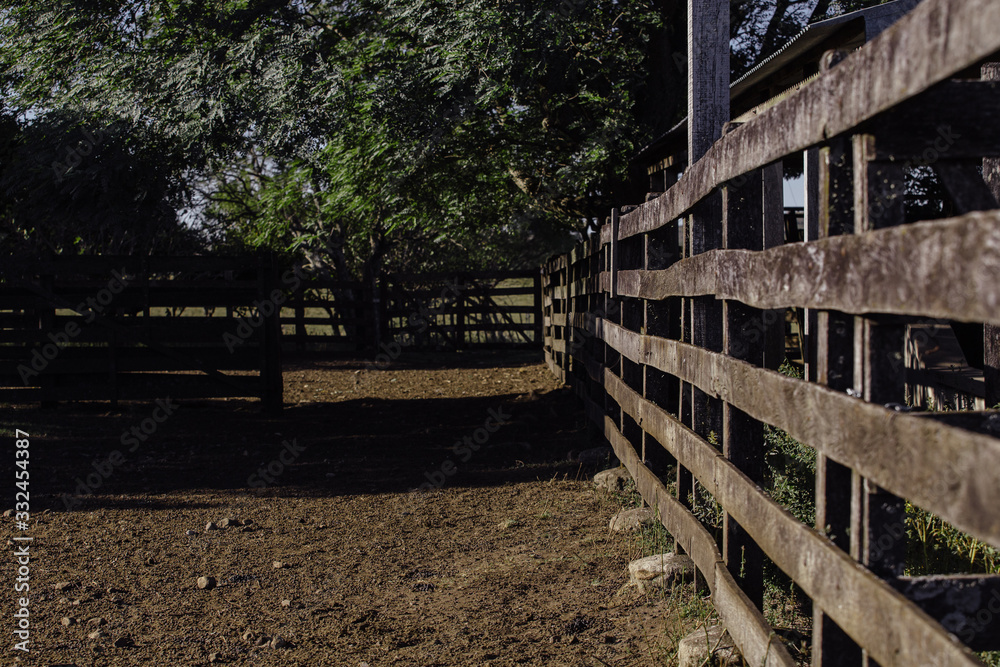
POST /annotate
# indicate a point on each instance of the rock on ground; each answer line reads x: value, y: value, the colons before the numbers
x: 659, y: 570
x: 631, y: 520
x: 693, y: 650
x: 612, y: 480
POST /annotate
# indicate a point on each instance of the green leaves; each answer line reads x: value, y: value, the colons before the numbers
x: 378, y: 127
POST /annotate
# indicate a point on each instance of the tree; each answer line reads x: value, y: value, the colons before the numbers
x: 71, y: 185
x: 370, y: 133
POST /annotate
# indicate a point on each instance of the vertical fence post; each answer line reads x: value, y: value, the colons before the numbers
x: 47, y: 381
x: 878, y: 535
x: 991, y: 332
x: 460, y: 311
x: 831, y: 342
x: 660, y: 318
x: 567, y: 308
x: 538, y: 311
x: 880, y: 358
x: 744, y: 338
x: 708, y: 111
x: 772, y: 235
x: 381, y: 308
x: 299, y: 304
x: 272, y: 395
x: 546, y: 315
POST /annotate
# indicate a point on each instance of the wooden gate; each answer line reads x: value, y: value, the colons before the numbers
x: 128, y: 328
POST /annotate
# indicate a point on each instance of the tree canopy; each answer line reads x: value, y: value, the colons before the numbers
x: 357, y: 135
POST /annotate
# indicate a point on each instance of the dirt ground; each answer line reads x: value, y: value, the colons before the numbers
x: 333, y: 558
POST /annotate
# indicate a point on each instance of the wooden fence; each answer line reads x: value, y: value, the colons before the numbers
x: 494, y: 309
x: 664, y: 325
x: 108, y: 328
x: 127, y: 328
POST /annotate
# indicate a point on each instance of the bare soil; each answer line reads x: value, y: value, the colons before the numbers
x: 506, y: 560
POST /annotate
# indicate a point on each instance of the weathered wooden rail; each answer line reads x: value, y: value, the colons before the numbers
x: 481, y: 309
x: 137, y: 328
x: 108, y: 328
x: 664, y: 324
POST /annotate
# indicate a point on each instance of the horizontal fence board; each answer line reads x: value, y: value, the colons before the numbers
x: 949, y: 471
x: 745, y: 623
x: 127, y: 360
x: 321, y: 321
x: 91, y: 391
x: 460, y: 277
x: 947, y: 269
x: 826, y: 573
x: 938, y: 39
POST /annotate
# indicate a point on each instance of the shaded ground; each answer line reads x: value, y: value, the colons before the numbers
x: 508, y: 562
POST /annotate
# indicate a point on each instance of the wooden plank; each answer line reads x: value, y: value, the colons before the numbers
x: 708, y: 73
x: 138, y: 387
x: 744, y: 334
x: 67, y: 364
x: 948, y: 269
x: 852, y: 595
x: 104, y: 264
x: 932, y: 43
x: 879, y: 520
x: 830, y: 362
x: 465, y: 276
x: 950, y: 472
x: 744, y: 621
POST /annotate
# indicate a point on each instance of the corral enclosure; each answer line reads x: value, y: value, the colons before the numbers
x: 109, y: 328
x: 664, y: 324
x: 670, y: 326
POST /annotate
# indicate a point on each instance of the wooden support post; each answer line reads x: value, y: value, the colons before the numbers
x: 660, y: 318
x: 991, y: 333
x: 272, y: 396
x: 878, y: 536
x: 829, y: 212
x: 572, y: 272
x: 743, y: 227
x: 811, y: 213
x: 300, y: 320
x: 460, y: 313
x: 708, y: 73
x: 773, y: 234
x: 113, y: 343
x: 46, y: 323
x: 537, y: 310
x: 708, y: 111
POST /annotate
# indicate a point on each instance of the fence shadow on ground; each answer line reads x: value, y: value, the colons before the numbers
x: 88, y: 456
